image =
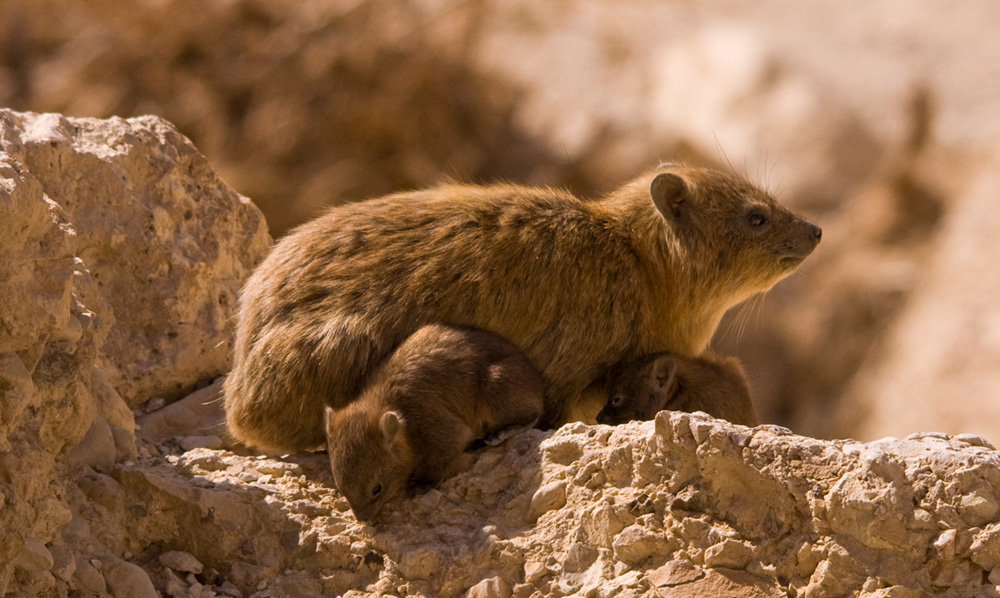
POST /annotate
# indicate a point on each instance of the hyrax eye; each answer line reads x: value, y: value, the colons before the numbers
x: 376, y: 490
x: 757, y: 219
x: 617, y: 400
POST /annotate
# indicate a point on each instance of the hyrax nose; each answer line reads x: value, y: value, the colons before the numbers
x: 817, y: 232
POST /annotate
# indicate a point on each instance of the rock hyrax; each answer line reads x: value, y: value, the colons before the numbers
x: 577, y: 285
x: 640, y: 389
x: 442, y: 389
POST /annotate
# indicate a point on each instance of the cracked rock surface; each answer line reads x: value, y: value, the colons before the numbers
x: 685, y: 505
x: 121, y: 254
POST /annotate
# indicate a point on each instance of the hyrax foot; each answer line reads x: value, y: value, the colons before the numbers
x: 500, y: 436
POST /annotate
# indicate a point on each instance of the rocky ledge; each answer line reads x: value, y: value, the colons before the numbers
x: 121, y: 253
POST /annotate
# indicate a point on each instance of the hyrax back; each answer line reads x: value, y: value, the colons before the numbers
x: 577, y: 285
x: 638, y: 390
x: 443, y: 388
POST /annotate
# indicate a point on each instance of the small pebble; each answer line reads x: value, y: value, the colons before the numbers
x: 547, y: 498
x: 178, y: 560
x: 974, y: 440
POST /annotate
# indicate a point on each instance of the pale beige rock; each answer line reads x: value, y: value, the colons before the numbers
x: 96, y: 449
x: 493, y: 587
x: 421, y: 563
x: 729, y: 553
x: 176, y: 587
x: 107, y: 288
x: 181, y: 561
x: 725, y: 583
x: 637, y: 543
x: 675, y: 573
x: 986, y: 548
x: 475, y: 530
x: 534, y: 572
x: 102, y: 489
x: 127, y: 580
x: 87, y: 577
x: 199, y: 414
x: 34, y: 557
x: 63, y: 562
x: 43, y: 407
x: 168, y: 240
x: 546, y: 498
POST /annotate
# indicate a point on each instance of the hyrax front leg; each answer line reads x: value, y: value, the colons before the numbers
x: 441, y: 452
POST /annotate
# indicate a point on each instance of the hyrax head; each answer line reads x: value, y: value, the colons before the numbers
x: 640, y: 389
x: 741, y: 235
x: 369, y: 457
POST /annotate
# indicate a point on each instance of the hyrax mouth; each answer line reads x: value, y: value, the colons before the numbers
x: 791, y: 261
x: 802, y: 246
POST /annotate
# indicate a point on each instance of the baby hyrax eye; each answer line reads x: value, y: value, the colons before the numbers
x: 376, y: 490
x: 616, y: 400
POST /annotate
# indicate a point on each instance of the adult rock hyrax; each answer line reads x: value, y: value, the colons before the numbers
x: 577, y: 285
x: 442, y: 389
x: 638, y: 390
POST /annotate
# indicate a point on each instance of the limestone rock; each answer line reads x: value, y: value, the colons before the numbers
x: 121, y: 254
x: 127, y: 580
x: 96, y: 449
x: 34, y: 557
x: 548, y: 497
x: 493, y: 587
x: 708, y: 508
x: 166, y: 240
x: 199, y: 414
x: 181, y: 561
x: 87, y: 578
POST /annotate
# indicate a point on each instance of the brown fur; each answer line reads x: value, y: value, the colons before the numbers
x: 641, y: 388
x: 442, y: 389
x: 577, y: 285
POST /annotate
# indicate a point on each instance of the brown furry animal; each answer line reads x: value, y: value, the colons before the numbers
x: 638, y: 390
x: 576, y: 285
x: 441, y: 390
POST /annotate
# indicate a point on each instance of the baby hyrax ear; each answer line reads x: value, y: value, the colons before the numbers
x: 662, y: 373
x: 389, y: 424
x: 669, y: 193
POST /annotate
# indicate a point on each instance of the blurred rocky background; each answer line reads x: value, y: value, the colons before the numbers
x: 878, y: 121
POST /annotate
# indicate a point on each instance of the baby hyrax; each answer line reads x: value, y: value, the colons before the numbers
x: 442, y: 389
x: 637, y: 390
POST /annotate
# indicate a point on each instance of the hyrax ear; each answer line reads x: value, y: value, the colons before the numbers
x: 669, y: 193
x: 663, y: 372
x: 389, y: 424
